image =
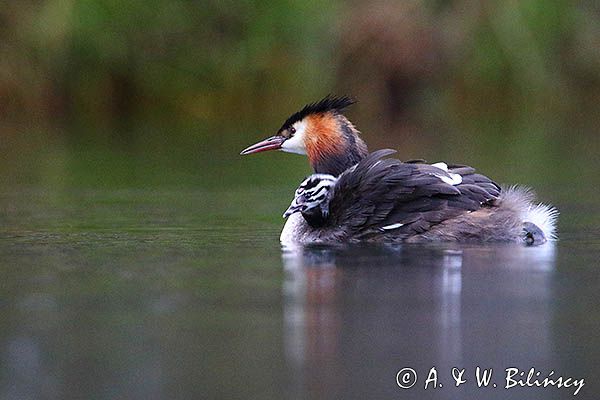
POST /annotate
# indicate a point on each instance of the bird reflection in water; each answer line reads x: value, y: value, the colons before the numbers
x: 355, y: 315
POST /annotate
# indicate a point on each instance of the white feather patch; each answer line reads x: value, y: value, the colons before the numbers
x: 544, y: 217
x: 522, y: 200
x: 441, y: 165
x: 392, y: 226
x: 453, y: 179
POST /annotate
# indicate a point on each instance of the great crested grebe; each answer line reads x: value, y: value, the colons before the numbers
x: 356, y: 196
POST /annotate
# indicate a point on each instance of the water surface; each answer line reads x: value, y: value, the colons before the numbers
x: 148, y: 291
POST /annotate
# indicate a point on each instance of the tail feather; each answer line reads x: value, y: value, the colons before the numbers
x: 522, y: 200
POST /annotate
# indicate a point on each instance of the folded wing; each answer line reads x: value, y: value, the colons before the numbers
x: 386, y: 195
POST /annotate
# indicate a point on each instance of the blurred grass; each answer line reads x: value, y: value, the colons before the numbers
x: 214, y: 60
x: 101, y: 93
x: 221, y: 62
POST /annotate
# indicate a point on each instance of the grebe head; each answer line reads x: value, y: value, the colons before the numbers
x: 321, y: 132
x: 312, y: 198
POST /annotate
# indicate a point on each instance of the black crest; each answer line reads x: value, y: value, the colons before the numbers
x: 329, y: 103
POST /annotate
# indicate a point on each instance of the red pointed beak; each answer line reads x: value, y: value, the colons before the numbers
x: 272, y: 143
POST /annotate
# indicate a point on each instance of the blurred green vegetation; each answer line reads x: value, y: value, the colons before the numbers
x: 100, y: 60
x: 226, y: 61
x: 104, y: 92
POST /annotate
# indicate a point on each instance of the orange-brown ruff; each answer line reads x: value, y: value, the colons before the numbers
x: 323, y: 137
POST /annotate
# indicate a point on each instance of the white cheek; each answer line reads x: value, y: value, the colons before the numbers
x: 296, y: 143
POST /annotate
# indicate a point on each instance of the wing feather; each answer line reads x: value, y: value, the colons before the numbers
x: 380, y: 192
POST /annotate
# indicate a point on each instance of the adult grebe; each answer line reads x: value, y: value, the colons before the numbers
x: 357, y: 196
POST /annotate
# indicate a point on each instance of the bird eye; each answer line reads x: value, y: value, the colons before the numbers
x: 292, y: 130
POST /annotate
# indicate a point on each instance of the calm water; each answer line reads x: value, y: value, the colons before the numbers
x: 185, y: 292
